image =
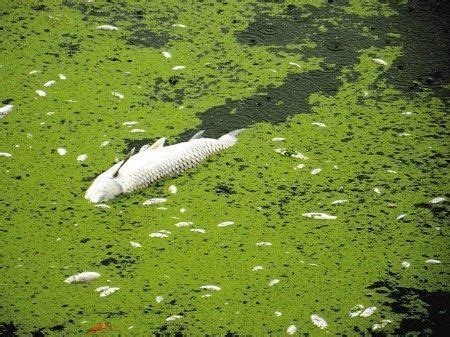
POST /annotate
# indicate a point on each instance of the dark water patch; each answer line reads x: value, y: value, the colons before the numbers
x: 142, y: 36
x: 8, y: 329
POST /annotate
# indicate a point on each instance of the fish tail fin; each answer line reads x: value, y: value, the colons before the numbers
x: 231, y: 137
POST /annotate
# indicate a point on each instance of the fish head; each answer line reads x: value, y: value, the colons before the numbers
x: 105, y: 187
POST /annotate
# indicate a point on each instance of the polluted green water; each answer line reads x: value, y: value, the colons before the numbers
x: 345, y: 105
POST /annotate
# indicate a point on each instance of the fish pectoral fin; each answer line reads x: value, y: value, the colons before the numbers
x: 197, y: 135
x: 128, y: 156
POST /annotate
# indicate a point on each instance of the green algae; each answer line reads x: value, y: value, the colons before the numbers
x: 324, y: 266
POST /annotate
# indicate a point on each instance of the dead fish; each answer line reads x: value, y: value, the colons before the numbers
x: 6, y: 110
x: 225, y: 224
x: 159, y: 235
x: 198, y: 230
x: 135, y: 244
x: 184, y: 224
x: 294, y: 64
x: 41, y: 93
x: 437, y: 200
x: 256, y: 268
x: 178, y: 67
x: 401, y: 216
x: 154, y: 201
x: 173, y: 189
x: 34, y: 72
x: 320, y: 125
x: 104, y: 143
x: 319, y: 321
x: 83, y: 277
x: 291, y: 330
x: 299, y: 167
x: 61, y: 151
x: 406, y: 264
x: 339, y: 202
x: 129, y: 123
x: 62, y: 77
x: 118, y: 94
x: 154, y: 163
x: 377, y: 190
x: 264, y: 244
x: 280, y: 150
x: 173, y: 318
x: 159, y: 299
x: 368, y: 312
x: 106, y: 290
x: 433, y: 261
x: 137, y: 131
x: 273, y: 282
x: 319, y: 216
x: 299, y: 155
x: 102, y: 206
x: 210, y: 287
x: 5, y: 154
x: 381, y: 325
x: 315, y: 171
x: 380, y: 61
x: 179, y: 25
x: 49, y: 83
x: 166, y: 54
x: 278, y: 139
x: 278, y: 313
x: 356, y: 310
x: 107, y: 27
x: 82, y: 157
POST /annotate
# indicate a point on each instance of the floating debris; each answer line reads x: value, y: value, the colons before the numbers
x: 178, y: 67
x: 264, y: 244
x: 273, y: 282
x: 291, y: 330
x: 225, y: 224
x: 294, y: 64
x: 107, y: 27
x: 102, y: 206
x: 179, y: 25
x: 106, y: 290
x: 99, y: 327
x: 154, y: 201
x: 159, y: 234
x: 432, y: 261
x: 406, y: 264
x: 118, y: 94
x: 368, y: 312
x: 206, y: 295
x: 135, y: 244
x: 278, y: 313
x: 280, y: 150
x: 6, y: 110
x: 49, y: 83
x: 62, y: 77
x: 320, y: 125
x: 319, y: 216
x: 198, y: 230
x: 137, y: 130
x: 211, y: 287
x: 83, y: 277
x: 173, y: 189
x: 61, y: 151
x: 184, y: 224
x: 381, y: 325
x: 298, y: 155
x: 319, y: 321
x: 5, y: 154
x: 278, y: 139
x: 82, y: 157
x: 380, y: 61
x: 106, y: 142
x: 159, y: 299
x: 173, y: 318
x: 316, y: 170
x: 130, y: 123
x: 401, y: 216
x: 356, y: 310
x: 166, y: 54
x: 41, y: 93
x: 339, y: 202
x: 256, y: 268
x: 299, y: 167
x: 437, y: 200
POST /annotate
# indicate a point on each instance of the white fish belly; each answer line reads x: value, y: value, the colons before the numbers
x: 148, y: 166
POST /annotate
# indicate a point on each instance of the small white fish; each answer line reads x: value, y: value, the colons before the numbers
x: 34, y: 72
x: 173, y: 318
x: 158, y: 235
x: 137, y: 130
x: 178, y: 67
x: 319, y: 216
x: 381, y: 325
x: 401, y: 216
x: 368, y: 312
x: 291, y: 330
x: 166, y: 54
x: 437, y: 200
x: 391, y: 171
x: 6, y: 110
x: 407, y: 113
x: 83, y: 277
x: 225, y: 224
x: 102, y: 206
x: 107, y: 27
x: 61, y: 151
x: 130, y: 123
x: 278, y: 313
x: 299, y: 167
x: 433, y: 261
x: 299, y: 155
x: 294, y: 64
x: 173, y: 189
x: 82, y: 157
x: 106, y: 290
x: 273, y: 282
x: 198, y: 230
x: 320, y: 125
x: 118, y: 94
x: 49, y: 83
x: 182, y: 210
x: 356, y: 310
x: 377, y: 190
x: 135, y: 244
x: 316, y: 170
x: 278, y: 139
x: 280, y: 150
x: 319, y: 321
x: 210, y: 287
x: 206, y: 295
x: 41, y: 93
x: 256, y: 268
x: 263, y: 244
x: 159, y: 299
x: 339, y: 202
x: 179, y: 25
x: 5, y: 154
x: 380, y: 61
x: 62, y: 77
x: 154, y: 201
x: 50, y: 113
x: 184, y: 224
x: 406, y: 264
x: 404, y: 134
x: 104, y: 143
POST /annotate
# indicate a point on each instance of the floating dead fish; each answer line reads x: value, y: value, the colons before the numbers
x: 184, y: 224
x: 316, y: 170
x: 256, y: 268
x: 166, y: 54
x: 173, y: 318
x: 135, y: 244
x: 102, y: 206
x: 380, y: 61
x: 179, y: 25
x: 206, y: 295
x: 339, y: 202
x: 62, y: 77
x: 106, y: 290
x: 137, y: 130
x: 356, y: 310
x: 34, y: 72
x: 299, y: 155
x: 391, y: 205
x: 320, y: 125
x: 404, y: 134
x: 159, y: 235
x: 159, y: 299
x: 432, y: 261
x: 273, y: 282
x: 278, y: 313
x: 294, y: 64
x: 154, y: 201
x: 5, y: 154
x: 83, y: 277
x: 263, y: 244
x: 210, y: 287
x: 381, y: 325
x: 299, y: 167
x: 182, y: 210
x: 82, y: 157
x: 198, y: 230
x: 107, y: 27
x: 6, y: 110
x: 226, y: 224
x: 41, y: 93
x: 61, y: 151
x: 49, y: 83
x: 406, y: 264
x: 291, y: 330
x: 319, y: 321
x: 377, y: 190
x: 178, y: 67
x: 407, y: 113
x: 130, y: 123
x: 319, y: 216
x: 173, y: 189
x: 280, y: 150
x: 368, y: 312
x: 437, y: 200
x: 391, y: 171
x: 278, y: 139
x: 118, y: 94
x: 106, y: 142
x: 401, y: 216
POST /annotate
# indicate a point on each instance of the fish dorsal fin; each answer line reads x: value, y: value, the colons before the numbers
x: 197, y: 135
x: 128, y: 156
x: 156, y: 145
